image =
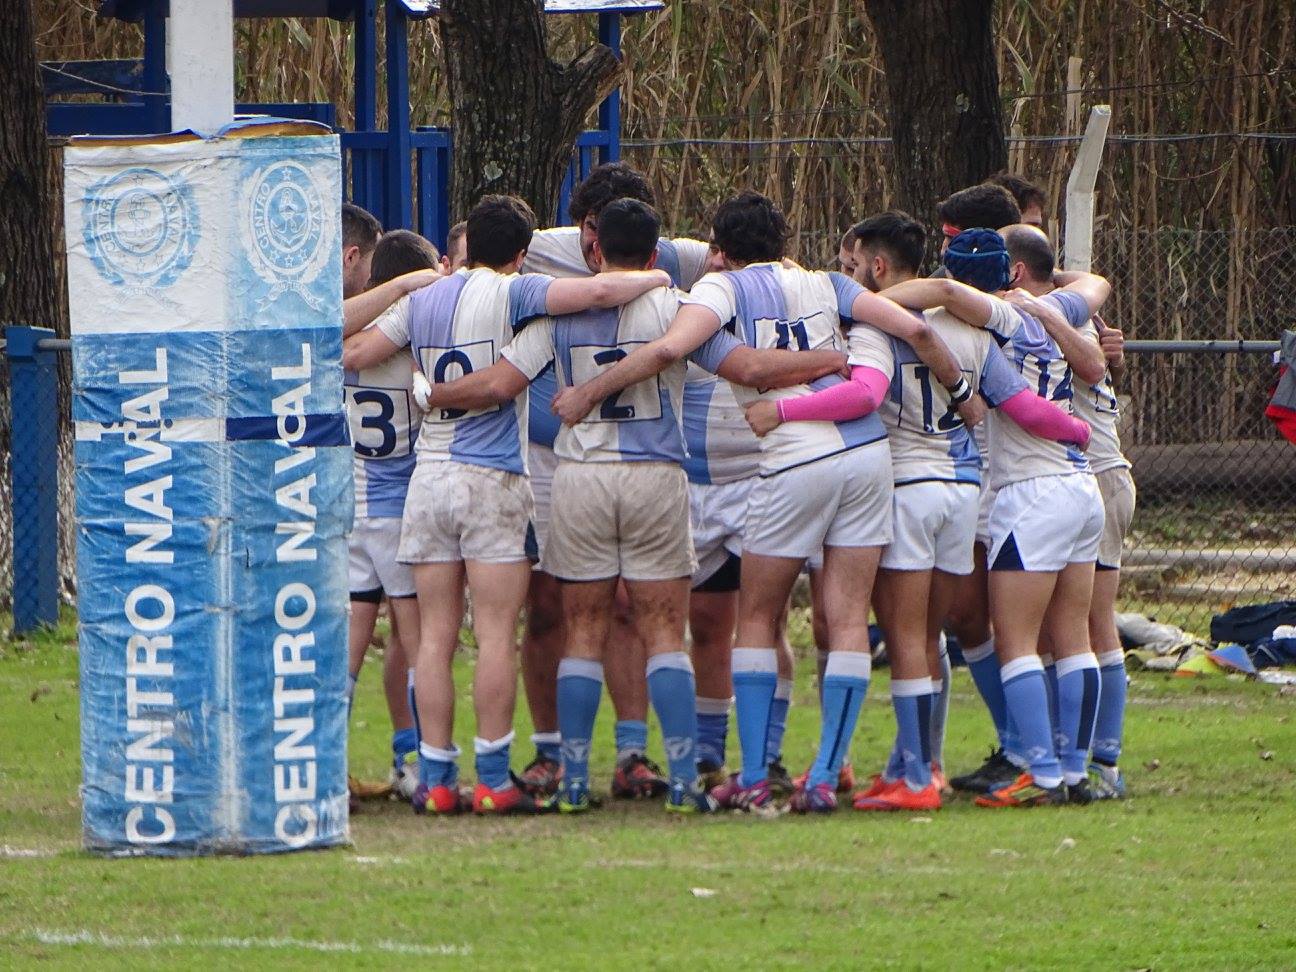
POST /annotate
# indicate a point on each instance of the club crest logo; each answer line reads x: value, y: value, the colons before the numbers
x: 140, y: 228
x: 287, y: 236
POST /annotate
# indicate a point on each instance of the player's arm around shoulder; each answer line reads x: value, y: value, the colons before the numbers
x: 379, y: 340
x: 360, y: 311
x: 613, y: 288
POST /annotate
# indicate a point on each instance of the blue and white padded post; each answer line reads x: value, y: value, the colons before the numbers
x: 213, y: 484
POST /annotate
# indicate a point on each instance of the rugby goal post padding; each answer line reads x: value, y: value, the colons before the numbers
x: 213, y: 489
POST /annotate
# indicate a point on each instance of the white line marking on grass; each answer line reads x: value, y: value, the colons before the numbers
x: 101, y: 940
x: 7, y: 851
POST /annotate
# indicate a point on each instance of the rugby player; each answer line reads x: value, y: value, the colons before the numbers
x: 361, y: 303
x: 1045, y: 522
x: 456, y: 254
x: 470, y: 506
x: 824, y: 485
x: 1029, y: 197
x: 569, y: 252
x: 936, y: 473
x: 1096, y: 404
x: 383, y: 423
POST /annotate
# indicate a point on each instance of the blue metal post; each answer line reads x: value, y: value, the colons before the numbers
x: 610, y: 110
x: 398, y: 211
x: 157, y: 107
x: 366, y: 170
x: 33, y: 466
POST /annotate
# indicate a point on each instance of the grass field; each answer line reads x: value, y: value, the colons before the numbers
x: 1197, y: 870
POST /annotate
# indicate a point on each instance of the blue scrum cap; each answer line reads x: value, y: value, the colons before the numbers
x: 978, y: 258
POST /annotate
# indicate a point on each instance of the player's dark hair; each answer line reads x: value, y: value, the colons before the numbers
x: 978, y: 258
x: 1025, y: 192
x: 627, y: 232
x: 983, y: 207
x: 457, y: 232
x: 895, y: 233
x: 499, y: 228
x: 750, y: 228
x: 359, y: 228
x: 605, y: 183
x: 1031, y: 247
x: 401, y: 251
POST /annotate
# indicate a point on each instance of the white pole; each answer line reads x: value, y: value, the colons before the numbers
x: 200, y: 60
x: 1077, y: 248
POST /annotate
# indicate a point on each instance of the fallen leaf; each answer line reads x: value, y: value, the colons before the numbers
x: 38, y: 692
x: 1267, y: 755
x: 1152, y: 765
x: 704, y: 892
x: 1068, y: 843
x: 919, y: 819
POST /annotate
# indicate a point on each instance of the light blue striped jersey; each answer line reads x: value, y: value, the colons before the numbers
x: 771, y: 306
x: 929, y: 441
x: 384, y: 421
x: 721, y: 445
x: 1015, y: 454
x: 459, y: 325
x: 640, y: 423
x: 557, y: 252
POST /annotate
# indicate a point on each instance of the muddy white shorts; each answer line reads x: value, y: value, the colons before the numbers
x: 1119, y: 495
x: 541, y: 463
x: 371, y: 558
x: 718, y: 513
x: 457, y: 511
x: 838, y: 501
x: 934, y: 526
x: 626, y: 519
x: 1045, y: 523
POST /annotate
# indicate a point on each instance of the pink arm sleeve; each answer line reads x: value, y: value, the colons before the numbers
x: 1040, y: 417
x: 850, y: 400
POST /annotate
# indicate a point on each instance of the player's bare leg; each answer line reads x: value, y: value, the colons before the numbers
x: 624, y: 660
x: 819, y: 629
x: 944, y: 588
x: 713, y: 615
x: 440, y: 590
x: 398, y: 685
x: 364, y: 615
x: 542, y: 650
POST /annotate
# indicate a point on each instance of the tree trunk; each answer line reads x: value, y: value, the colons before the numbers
x: 943, y: 90
x: 29, y: 283
x: 516, y: 113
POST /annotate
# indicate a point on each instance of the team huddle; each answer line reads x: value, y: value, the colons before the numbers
x: 638, y: 444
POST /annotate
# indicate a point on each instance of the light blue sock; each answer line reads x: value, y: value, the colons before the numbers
x: 845, y: 684
x: 1051, y: 683
x: 984, y: 666
x: 1110, y: 728
x: 895, y: 764
x: 1078, y: 685
x: 493, y: 761
x: 911, y: 699
x: 580, y: 687
x: 713, y: 730
x: 438, y: 767
x: 940, y: 706
x: 1027, y: 699
x: 674, y: 698
x: 631, y: 737
x: 755, y: 678
x: 548, y: 745
x: 778, y: 719
x: 405, y: 742
x: 409, y: 691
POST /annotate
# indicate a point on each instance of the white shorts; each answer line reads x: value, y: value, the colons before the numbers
x: 541, y: 463
x: 934, y: 525
x: 985, y: 503
x: 719, y: 515
x: 457, y: 511
x: 1045, y: 523
x: 838, y: 501
x: 1119, y: 495
x: 620, y: 519
x: 371, y: 558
